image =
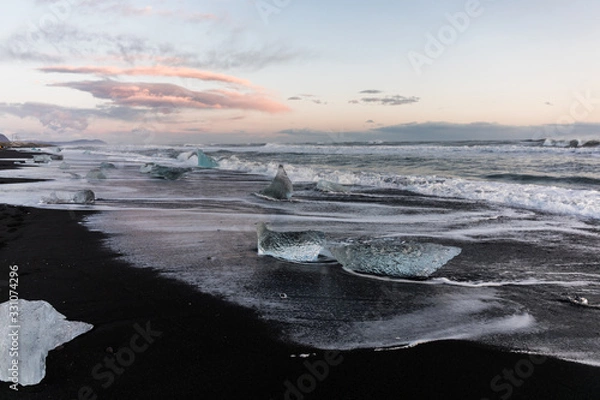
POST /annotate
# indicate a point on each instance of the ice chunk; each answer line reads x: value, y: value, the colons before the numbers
x: 205, y: 161
x: 84, y: 197
x: 81, y: 197
x: 95, y: 174
x: 40, y: 329
x: 41, y: 159
x: 394, y: 259
x: 281, y: 187
x: 291, y: 246
x: 107, y: 165
x: 169, y: 173
x: 64, y: 165
x: 46, y: 158
x: 327, y: 186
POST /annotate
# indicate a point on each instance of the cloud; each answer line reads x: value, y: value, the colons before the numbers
x: 370, y: 121
x: 395, y: 100
x: 56, y: 118
x: 435, y: 131
x: 126, y: 9
x: 159, y: 70
x: 370, y: 91
x: 308, y: 97
x: 446, y: 131
x: 60, y: 42
x: 166, y: 96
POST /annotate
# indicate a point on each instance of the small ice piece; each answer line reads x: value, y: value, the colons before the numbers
x: 281, y: 187
x: 390, y: 258
x: 85, y: 196
x: 95, y: 174
x: 168, y: 173
x: 107, y: 165
x: 582, y: 301
x: 327, y: 186
x: 205, y: 161
x: 41, y: 329
x: 64, y: 165
x: 81, y: 197
x: 41, y: 159
x: 302, y: 246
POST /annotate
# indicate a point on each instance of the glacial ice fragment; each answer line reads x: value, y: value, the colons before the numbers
x: 64, y: 165
x: 302, y: 246
x: 390, y: 258
x: 80, y: 197
x: 85, y: 196
x: 107, y: 165
x: 205, y: 161
x: 41, y: 159
x: 327, y: 186
x: 168, y: 173
x: 281, y: 187
x: 41, y: 329
x: 95, y: 174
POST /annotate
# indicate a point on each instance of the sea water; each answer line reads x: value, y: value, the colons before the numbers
x: 526, y: 216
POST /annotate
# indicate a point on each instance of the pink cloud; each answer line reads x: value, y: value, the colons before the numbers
x: 159, y: 70
x: 166, y: 96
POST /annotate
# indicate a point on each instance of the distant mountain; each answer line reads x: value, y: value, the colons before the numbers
x: 4, y: 139
x: 80, y: 142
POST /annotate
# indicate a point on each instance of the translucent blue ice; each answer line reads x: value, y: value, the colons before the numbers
x: 80, y: 197
x: 290, y: 246
x: 41, y: 329
x: 205, y: 161
x: 394, y: 259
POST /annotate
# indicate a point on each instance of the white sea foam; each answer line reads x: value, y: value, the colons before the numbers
x: 552, y: 199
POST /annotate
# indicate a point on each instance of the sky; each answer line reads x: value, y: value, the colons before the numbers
x: 248, y: 71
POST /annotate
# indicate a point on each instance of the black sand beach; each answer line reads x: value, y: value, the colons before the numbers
x: 156, y: 338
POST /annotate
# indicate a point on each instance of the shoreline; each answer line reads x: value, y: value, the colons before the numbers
x: 200, y: 346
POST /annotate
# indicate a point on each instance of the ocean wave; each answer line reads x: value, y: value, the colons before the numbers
x: 570, y: 143
x: 545, y: 198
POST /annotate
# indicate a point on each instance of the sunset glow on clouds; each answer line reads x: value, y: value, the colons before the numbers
x: 238, y: 71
